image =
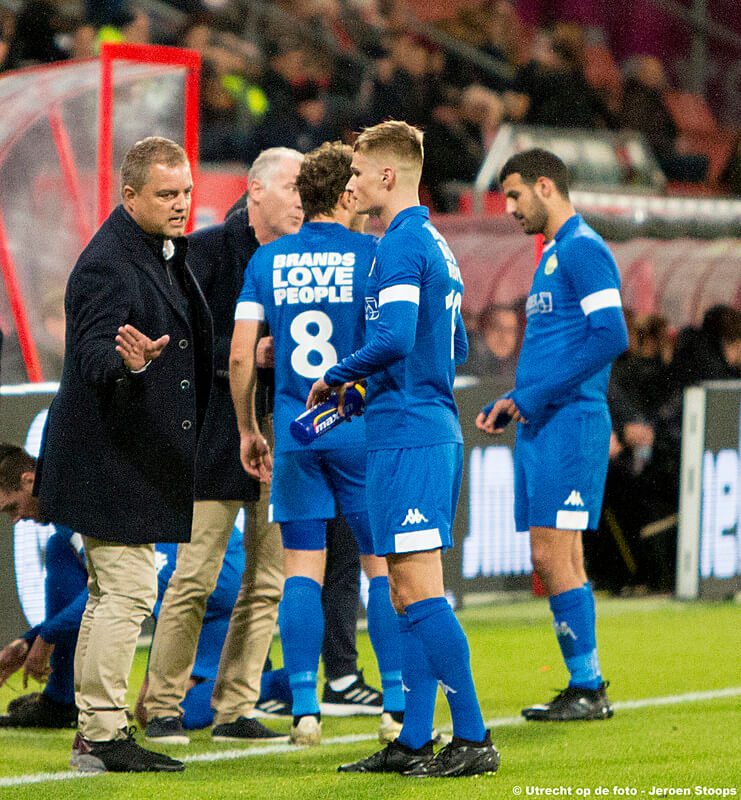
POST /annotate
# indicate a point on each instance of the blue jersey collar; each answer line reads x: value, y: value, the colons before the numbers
x: 412, y: 211
x: 568, y: 227
x: 320, y: 227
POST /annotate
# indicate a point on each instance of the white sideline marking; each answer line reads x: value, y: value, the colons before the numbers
x: 270, y: 749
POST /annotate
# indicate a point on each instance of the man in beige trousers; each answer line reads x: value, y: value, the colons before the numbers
x: 219, y: 256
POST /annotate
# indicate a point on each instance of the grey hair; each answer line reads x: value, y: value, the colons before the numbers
x: 268, y: 162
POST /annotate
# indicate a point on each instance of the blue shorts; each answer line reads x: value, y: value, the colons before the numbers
x: 412, y: 497
x: 560, y: 470
x: 311, y: 534
x: 309, y: 484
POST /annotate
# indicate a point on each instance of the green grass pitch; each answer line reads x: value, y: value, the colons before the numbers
x: 675, y: 731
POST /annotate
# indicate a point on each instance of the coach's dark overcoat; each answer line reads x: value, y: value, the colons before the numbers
x: 119, y: 451
x: 218, y: 257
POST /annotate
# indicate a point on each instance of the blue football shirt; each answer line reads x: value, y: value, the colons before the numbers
x: 414, y: 338
x: 310, y: 288
x: 573, y: 308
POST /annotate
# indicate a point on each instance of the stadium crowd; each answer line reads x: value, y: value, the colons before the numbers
x: 319, y: 69
x: 365, y: 63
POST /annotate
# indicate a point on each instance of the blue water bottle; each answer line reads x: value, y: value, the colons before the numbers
x: 325, y: 416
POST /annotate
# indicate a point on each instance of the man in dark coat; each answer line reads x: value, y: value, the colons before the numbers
x: 118, y: 459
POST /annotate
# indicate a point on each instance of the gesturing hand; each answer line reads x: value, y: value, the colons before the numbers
x: 136, y: 349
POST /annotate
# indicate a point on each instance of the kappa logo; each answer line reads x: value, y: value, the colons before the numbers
x: 562, y: 629
x: 574, y: 499
x: 371, y: 308
x: 413, y: 517
x: 550, y: 265
x: 447, y: 689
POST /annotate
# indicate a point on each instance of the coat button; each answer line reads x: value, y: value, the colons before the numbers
x: 183, y: 344
x: 187, y: 424
x: 185, y: 384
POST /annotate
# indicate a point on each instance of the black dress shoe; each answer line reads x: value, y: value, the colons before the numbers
x: 119, y: 755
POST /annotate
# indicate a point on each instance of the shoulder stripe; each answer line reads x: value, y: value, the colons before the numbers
x: 607, y: 298
x: 402, y: 291
x: 250, y: 311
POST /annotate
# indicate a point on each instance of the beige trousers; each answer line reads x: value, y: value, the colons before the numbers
x: 183, y: 607
x: 122, y: 585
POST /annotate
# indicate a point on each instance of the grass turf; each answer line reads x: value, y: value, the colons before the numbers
x: 649, y: 648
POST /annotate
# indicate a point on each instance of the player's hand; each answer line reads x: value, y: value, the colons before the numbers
x: 318, y: 393
x: 12, y: 657
x: 37, y: 662
x: 256, y: 457
x: 506, y: 407
x: 136, y: 349
x: 265, y: 352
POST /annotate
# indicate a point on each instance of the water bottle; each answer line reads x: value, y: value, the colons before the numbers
x: 325, y: 416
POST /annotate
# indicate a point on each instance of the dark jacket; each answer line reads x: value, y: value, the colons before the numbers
x: 218, y: 257
x: 118, y: 456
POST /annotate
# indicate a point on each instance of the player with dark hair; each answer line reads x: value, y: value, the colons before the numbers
x: 414, y: 338
x: 575, y: 328
x: 309, y: 288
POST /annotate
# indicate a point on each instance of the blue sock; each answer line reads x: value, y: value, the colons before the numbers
x: 301, y: 632
x: 445, y: 644
x: 274, y: 686
x: 420, y: 689
x: 385, y: 636
x: 197, y: 711
x: 592, y: 611
x: 573, y: 621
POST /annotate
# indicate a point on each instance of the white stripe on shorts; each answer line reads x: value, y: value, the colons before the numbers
x: 607, y: 298
x: 417, y: 540
x: 402, y: 291
x: 250, y: 311
x: 572, y: 520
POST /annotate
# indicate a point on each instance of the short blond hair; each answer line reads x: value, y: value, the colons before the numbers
x: 152, y: 150
x: 397, y: 138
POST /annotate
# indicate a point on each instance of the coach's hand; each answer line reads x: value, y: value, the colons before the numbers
x: 502, y: 412
x: 136, y: 349
x: 255, y: 455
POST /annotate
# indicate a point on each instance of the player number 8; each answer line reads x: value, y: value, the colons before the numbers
x: 312, y: 341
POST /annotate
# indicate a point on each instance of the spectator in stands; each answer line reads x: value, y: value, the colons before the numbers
x: 303, y: 125
x: 644, y: 110
x: 494, y: 352
x: 34, y: 38
x: 553, y: 85
x: 643, y: 372
x: 407, y: 85
x: 223, y: 138
x: 466, y: 128
x: 712, y: 352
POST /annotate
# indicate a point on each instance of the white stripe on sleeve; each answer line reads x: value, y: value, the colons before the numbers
x: 402, y: 291
x: 607, y: 298
x: 250, y: 311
